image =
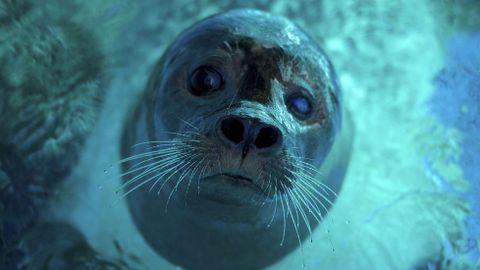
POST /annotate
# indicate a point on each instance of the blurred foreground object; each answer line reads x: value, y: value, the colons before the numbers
x: 51, y: 73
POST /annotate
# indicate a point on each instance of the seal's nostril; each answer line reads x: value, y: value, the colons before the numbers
x: 232, y: 129
x: 267, y: 137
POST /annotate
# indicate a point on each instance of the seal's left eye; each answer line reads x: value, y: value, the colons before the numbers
x: 299, y: 105
x: 204, y: 80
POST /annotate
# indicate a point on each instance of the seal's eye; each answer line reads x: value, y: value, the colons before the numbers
x: 204, y: 80
x: 299, y: 105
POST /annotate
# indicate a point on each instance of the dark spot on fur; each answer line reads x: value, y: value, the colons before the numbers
x: 262, y: 65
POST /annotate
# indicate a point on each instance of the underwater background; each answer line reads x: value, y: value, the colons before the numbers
x: 410, y: 76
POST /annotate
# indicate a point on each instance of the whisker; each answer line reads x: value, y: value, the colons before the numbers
x: 201, y: 176
x: 295, y: 226
x: 311, y: 202
x: 150, y: 168
x: 155, y: 153
x: 275, y: 208
x: 309, y: 190
x: 180, y: 180
x: 313, y: 181
x: 310, y: 171
x: 297, y: 200
x: 138, y: 185
x: 164, y: 142
x: 284, y: 217
x: 186, y: 134
x: 188, y: 123
x: 179, y: 166
x: 194, y: 171
x: 310, y: 185
x: 136, y: 167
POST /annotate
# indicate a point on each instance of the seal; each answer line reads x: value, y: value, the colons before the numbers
x: 240, y: 143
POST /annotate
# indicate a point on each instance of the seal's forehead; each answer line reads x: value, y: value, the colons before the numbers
x: 264, y: 26
x: 268, y: 29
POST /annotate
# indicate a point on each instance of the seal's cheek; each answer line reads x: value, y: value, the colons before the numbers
x: 317, y: 143
x: 172, y: 100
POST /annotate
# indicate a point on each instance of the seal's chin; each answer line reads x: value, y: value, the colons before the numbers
x: 233, y: 200
x: 232, y: 189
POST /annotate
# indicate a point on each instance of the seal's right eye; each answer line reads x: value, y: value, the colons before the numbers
x: 204, y: 80
x: 299, y: 105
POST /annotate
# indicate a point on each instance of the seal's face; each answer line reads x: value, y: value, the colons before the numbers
x: 250, y: 115
x: 240, y: 112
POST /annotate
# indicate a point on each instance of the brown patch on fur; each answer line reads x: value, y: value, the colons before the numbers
x: 262, y: 65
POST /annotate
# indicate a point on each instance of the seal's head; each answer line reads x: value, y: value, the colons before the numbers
x: 239, y: 115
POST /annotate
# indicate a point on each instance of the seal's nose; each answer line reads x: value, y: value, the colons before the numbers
x: 267, y: 137
x: 249, y: 133
x: 232, y: 129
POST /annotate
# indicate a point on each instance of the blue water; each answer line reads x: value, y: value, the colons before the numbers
x: 456, y: 104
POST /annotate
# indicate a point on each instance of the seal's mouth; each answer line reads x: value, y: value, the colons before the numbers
x: 237, y: 178
x: 235, y: 181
